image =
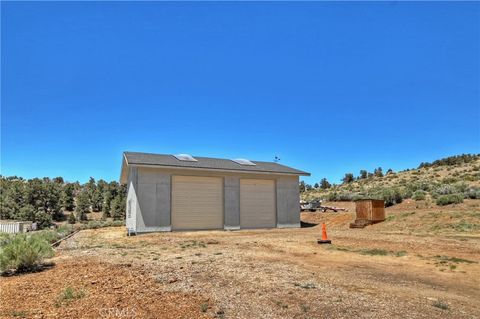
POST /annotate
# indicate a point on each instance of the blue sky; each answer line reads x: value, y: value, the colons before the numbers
x: 328, y: 87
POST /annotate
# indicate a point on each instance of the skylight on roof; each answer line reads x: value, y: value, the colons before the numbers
x: 185, y: 157
x: 243, y: 161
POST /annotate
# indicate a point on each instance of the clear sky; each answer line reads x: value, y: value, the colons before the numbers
x: 328, y: 87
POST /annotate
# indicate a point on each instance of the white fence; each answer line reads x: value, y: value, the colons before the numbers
x: 14, y: 227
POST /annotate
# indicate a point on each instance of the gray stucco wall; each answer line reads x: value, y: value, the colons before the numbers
x: 288, y: 202
x: 153, y: 201
x: 232, y: 202
x: 131, y: 209
x: 152, y: 192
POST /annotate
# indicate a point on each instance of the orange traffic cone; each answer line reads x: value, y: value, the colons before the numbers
x: 324, y: 239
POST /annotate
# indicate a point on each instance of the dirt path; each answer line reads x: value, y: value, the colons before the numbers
x: 369, y: 273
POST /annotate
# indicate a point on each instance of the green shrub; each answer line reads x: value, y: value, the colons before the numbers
x: 64, y: 230
x: 391, y: 196
x: 331, y: 197
x: 100, y: 224
x: 449, y: 199
x: 30, y: 213
x: 472, y: 193
x: 50, y: 236
x: 69, y: 294
x: 419, y: 195
x: 72, y: 219
x: 440, y: 304
x: 445, y: 190
x: 23, y: 252
x: 421, y: 185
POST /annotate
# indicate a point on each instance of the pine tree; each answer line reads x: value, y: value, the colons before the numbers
x: 107, y: 200
x: 302, y: 186
x: 324, y: 184
x: 348, y: 178
x: 378, y: 172
x: 363, y: 174
x: 95, y: 197
x: 68, y: 197
x: 118, y: 208
x: 83, y: 205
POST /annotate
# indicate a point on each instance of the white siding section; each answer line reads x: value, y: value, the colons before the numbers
x: 14, y: 227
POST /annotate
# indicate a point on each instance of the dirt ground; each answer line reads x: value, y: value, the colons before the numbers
x: 423, y: 262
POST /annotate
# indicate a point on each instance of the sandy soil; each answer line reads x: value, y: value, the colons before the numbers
x: 383, y: 271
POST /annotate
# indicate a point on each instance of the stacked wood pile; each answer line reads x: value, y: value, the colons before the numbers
x: 368, y: 212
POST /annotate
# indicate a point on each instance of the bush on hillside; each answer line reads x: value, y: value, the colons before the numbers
x: 448, y: 189
x: 419, y: 195
x: 23, y: 253
x: 461, y: 187
x: 420, y: 185
x: 344, y: 196
x: 449, y: 199
x: 472, y: 193
x: 452, y: 160
x: 391, y: 195
x: 445, y: 190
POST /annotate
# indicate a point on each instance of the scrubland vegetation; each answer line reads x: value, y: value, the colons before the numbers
x: 46, y: 200
x: 25, y: 252
x: 443, y: 182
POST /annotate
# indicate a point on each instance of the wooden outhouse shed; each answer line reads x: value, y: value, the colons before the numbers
x: 368, y: 211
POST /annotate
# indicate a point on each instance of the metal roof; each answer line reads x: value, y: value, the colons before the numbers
x: 170, y: 161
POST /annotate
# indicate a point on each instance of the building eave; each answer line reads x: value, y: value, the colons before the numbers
x: 220, y: 170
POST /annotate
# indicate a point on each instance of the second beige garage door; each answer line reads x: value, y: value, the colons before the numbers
x: 257, y: 203
x: 197, y: 202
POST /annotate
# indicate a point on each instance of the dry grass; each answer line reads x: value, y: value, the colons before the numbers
x: 382, y: 271
x: 468, y: 173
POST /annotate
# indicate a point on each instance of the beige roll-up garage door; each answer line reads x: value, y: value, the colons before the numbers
x: 197, y: 202
x: 257, y: 203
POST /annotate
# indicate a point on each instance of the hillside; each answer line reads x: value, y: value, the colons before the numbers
x: 445, y: 181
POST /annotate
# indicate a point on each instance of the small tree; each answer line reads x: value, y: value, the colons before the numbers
x: 27, y: 212
x: 378, y: 172
x: 83, y: 205
x: 72, y: 219
x: 107, y: 199
x: 324, y: 184
x: 58, y: 180
x: 96, y: 201
x: 363, y: 174
x: 104, y: 216
x: 302, y: 186
x: 118, y: 208
x: 316, y: 186
x: 68, y: 197
x: 348, y: 178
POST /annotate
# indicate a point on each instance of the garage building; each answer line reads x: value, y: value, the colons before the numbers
x: 181, y: 192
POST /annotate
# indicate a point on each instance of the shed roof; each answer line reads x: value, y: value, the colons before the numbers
x: 205, y: 163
